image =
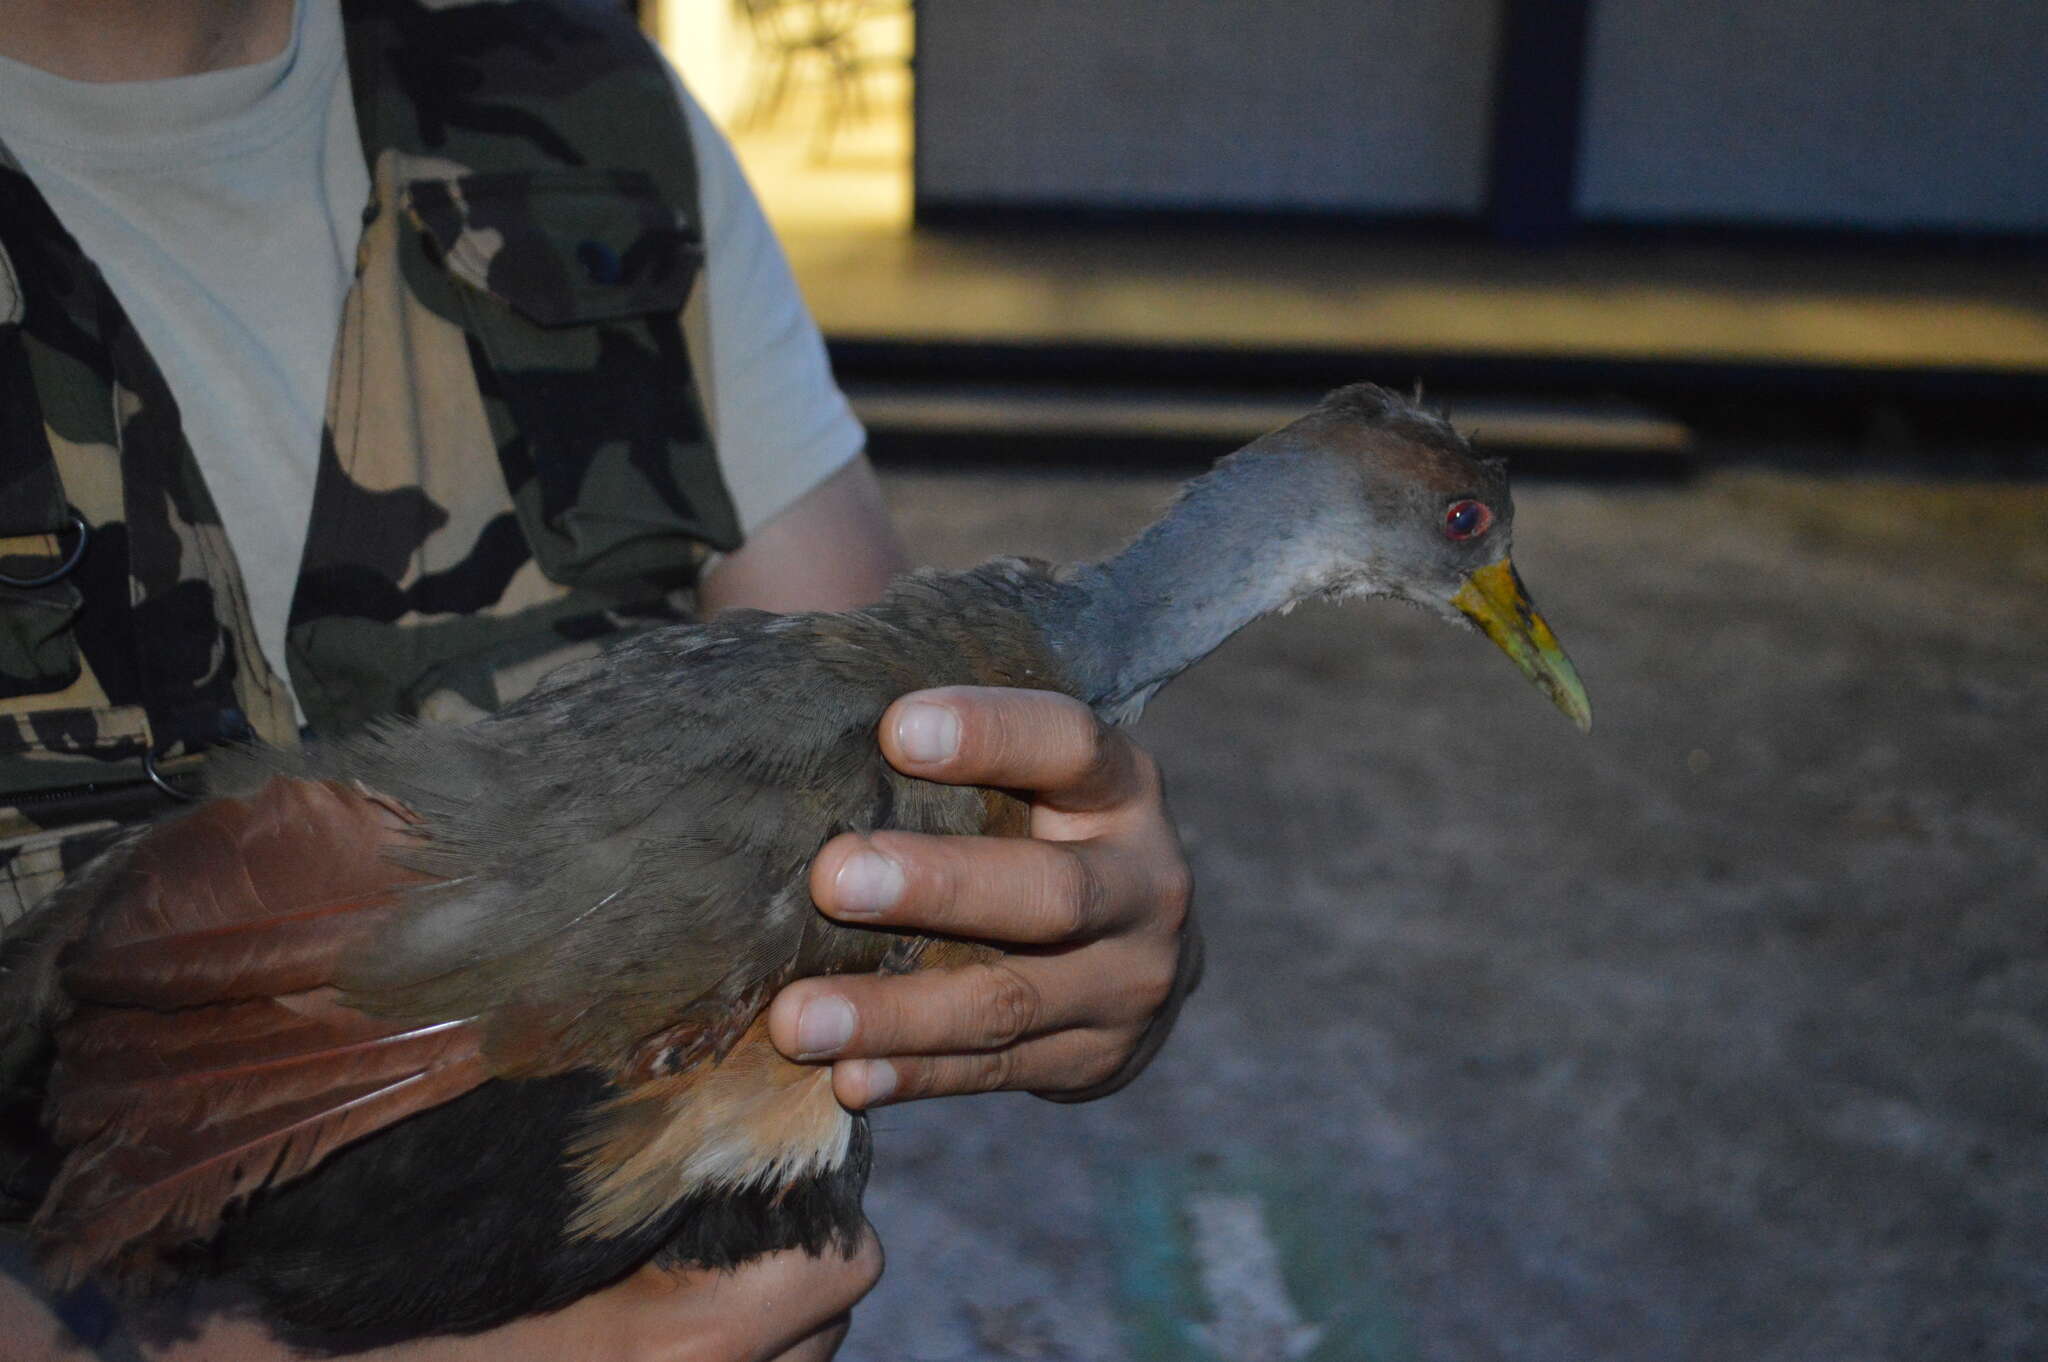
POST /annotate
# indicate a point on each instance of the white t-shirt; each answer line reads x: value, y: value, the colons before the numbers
x: 224, y: 211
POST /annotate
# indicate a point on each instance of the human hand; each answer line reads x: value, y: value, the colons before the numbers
x: 1092, y: 911
x: 785, y: 1307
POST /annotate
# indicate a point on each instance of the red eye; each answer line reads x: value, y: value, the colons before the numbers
x: 1467, y: 520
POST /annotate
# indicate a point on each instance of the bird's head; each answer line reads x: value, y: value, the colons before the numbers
x: 1393, y: 502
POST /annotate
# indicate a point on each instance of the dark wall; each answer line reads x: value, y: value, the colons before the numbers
x: 1878, y: 114
x: 1348, y: 105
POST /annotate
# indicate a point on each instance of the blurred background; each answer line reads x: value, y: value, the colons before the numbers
x: 1720, y: 1034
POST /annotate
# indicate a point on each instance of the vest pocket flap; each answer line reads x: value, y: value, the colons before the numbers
x: 561, y: 247
x: 38, y: 651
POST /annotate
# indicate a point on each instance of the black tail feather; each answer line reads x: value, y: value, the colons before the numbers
x: 411, y: 1232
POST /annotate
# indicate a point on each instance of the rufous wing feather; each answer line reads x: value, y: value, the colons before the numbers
x: 243, y: 898
x: 210, y: 1056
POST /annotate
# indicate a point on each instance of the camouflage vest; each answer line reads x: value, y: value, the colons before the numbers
x: 516, y: 463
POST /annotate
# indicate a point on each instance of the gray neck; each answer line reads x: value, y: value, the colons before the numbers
x: 1213, y: 564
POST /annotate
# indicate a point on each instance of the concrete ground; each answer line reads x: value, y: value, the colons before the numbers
x: 1722, y: 1033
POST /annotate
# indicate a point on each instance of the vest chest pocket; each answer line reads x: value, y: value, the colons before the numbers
x: 38, y: 647
x: 570, y: 285
x: 41, y: 539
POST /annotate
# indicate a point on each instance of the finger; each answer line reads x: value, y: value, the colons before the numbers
x: 978, y: 1007
x: 821, y: 1346
x: 1049, y: 1065
x: 1035, y: 740
x: 1186, y: 976
x: 971, y: 1007
x: 755, y: 1312
x: 769, y: 1305
x: 797, y: 1304
x: 1010, y: 889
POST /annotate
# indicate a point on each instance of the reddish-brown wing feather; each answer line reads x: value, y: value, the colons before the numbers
x: 210, y: 1056
x: 242, y: 898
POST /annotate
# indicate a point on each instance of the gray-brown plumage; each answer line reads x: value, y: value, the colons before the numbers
x: 433, y: 1027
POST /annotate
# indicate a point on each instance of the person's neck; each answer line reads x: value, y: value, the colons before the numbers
x: 122, y: 40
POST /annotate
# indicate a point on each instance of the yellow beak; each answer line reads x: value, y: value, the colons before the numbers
x: 1494, y: 599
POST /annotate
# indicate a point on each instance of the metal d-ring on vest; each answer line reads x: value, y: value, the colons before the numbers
x: 61, y: 570
x: 158, y: 779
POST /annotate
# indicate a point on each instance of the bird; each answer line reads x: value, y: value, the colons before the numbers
x: 427, y: 1028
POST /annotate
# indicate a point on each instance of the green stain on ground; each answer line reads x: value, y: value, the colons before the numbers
x: 1328, y: 1260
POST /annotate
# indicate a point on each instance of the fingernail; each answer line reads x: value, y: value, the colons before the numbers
x: 927, y: 732
x: 877, y: 1082
x: 823, y: 1027
x: 867, y: 885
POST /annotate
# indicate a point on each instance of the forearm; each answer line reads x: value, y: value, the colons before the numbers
x: 832, y: 549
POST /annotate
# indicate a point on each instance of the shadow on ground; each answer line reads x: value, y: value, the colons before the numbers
x: 1720, y: 1034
